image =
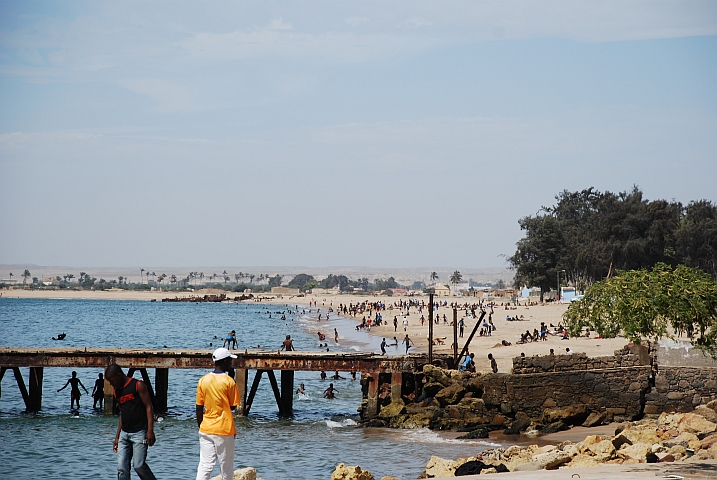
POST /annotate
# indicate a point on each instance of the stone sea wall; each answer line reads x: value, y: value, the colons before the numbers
x: 681, y: 389
x: 629, y: 356
x: 544, y: 394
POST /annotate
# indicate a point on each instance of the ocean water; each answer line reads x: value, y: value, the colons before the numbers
x: 55, y: 443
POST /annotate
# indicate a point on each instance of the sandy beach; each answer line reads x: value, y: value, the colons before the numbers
x: 505, y: 330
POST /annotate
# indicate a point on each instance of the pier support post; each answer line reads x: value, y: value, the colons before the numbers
x: 252, y: 392
x: 275, y: 389
x: 36, y: 374
x: 287, y: 391
x: 2, y: 374
x: 396, y: 386
x: 242, y: 381
x: 150, y: 390
x: 21, y: 386
x: 161, y: 388
x: 372, y: 397
x: 430, y: 329
x: 455, y: 338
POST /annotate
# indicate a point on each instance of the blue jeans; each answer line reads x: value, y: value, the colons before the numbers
x: 132, y: 446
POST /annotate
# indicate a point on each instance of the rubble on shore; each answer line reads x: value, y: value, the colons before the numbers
x: 671, y: 437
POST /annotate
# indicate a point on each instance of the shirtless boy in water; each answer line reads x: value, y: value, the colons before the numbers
x: 74, y: 389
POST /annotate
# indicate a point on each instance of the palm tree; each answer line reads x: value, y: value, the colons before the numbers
x: 201, y: 277
x: 237, y: 277
x: 251, y: 278
x: 120, y: 278
x: 434, y: 276
x: 69, y: 277
x: 173, y: 279
x: 456, y: 278
x: 25, y: 275
x: 141, y: 275
x: 11, y: 275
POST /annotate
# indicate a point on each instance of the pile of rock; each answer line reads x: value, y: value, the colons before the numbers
x: 669, y: 438
x: 345, y: 472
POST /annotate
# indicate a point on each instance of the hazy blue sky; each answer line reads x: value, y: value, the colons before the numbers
x: 338, y: 133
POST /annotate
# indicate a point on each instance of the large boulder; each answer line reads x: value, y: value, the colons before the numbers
x: 706, y: 412
x: 432, y: 374
x: 438, y: 467
x: 637, y: 451
x: 393, y: 409
x: 450, y: 395
x: 685, y: 439
x: 633, y: 434
x: 552, y: 460
x: 595, y: 419
x: 519, y: 424
x: 572, y: 414
x: 582, y: 460
x: 602, y: 451
x: 697, y: 424
x: 430, y: 389
x: 248, y: 473
x: 345, y: 472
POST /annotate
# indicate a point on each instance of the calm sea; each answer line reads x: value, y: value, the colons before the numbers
x: 322, y: 433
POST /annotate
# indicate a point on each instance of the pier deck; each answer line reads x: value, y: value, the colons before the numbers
x: 369, y: 365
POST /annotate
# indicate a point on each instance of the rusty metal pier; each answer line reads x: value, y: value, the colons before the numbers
x: 369, y: 365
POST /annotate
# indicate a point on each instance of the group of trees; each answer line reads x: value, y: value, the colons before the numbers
x: 589, y: 235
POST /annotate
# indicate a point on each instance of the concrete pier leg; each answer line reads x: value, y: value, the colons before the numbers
x: 287, y: 391
x: 372, y: 397
x: 36, y: 374
x: 161, y: 389
x: 252, y: 392
x: 148, y: 384
x: 2, y: 374
x: 21, y: 386
x: 396, y: 385
x: 241, y: 378
x: 275, y: 389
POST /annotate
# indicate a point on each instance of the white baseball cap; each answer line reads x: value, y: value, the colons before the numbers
x: 221, y: 354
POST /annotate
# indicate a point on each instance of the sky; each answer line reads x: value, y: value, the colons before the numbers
x: 384, y: 134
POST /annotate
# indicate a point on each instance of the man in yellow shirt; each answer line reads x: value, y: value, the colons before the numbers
x: 217, y: 396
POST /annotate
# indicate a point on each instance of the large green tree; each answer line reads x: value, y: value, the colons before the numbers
x: 650, y: 304
x: 591, y: 234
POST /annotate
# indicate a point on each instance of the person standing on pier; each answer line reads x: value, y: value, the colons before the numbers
x: 74, y: 389
x: 217, y: 396
x: 135, y: 431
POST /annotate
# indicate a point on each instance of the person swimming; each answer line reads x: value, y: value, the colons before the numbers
x: 60, y: 336
x: 301, y: 390
x: 330, y: 392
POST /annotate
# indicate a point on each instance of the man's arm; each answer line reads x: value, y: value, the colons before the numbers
x: 83, y: 387
x: 119, y: 429
x: 144, y: 395
x: 68, y: 382
x: 200, y: 414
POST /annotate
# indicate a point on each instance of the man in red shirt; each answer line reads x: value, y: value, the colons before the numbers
x: 135, y: 431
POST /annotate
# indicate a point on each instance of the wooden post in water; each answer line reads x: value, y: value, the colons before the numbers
x: 275, y: 389
x: 252, y: 392
x: 242, y: 381
x: 36, y: 374
x: 455, y: 338
x: 287, y: 391
x: 161, y: 389
x: 430, y: 329
x: 396, y: 386
x: 2, y: 374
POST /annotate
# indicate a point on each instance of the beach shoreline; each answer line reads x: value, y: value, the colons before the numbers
x: 506, y: 330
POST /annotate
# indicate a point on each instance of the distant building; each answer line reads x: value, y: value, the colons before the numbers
x: 441, y: 290
x: 567, y: 293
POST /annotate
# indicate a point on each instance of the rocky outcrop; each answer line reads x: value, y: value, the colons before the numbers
x: 345, y: 472
x: 248, y: 473
x: 669, y: 438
